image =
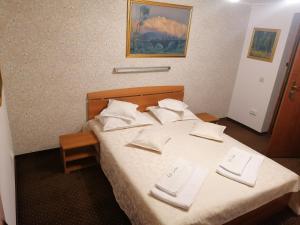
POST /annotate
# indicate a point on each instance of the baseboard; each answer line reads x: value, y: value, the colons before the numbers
x: 36, y: 152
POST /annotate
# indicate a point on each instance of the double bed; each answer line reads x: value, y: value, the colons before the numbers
x: 132, y: 172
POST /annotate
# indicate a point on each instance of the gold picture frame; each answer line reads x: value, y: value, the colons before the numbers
x: 150, y: 29
x: 263, y: 44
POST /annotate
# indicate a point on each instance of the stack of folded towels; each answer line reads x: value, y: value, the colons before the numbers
x: 241, y: 166
x: 180, y: 185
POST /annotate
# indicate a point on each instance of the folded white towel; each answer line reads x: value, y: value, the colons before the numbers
x: 176, y: 177
x: 236, y: 160
x: 187, y: 195
x: 250, y: 173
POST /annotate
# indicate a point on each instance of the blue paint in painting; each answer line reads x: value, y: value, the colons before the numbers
x: 158, y: 29
x: 262, y: 45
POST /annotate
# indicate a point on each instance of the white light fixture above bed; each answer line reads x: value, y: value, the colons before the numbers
x: 141, y: 69
x: 292, y: 1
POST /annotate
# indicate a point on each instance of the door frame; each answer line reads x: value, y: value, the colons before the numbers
x: 289, y: 65
x: 2, y: 217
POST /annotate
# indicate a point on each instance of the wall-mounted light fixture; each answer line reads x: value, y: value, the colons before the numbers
x: 141, y: 69
x: 292, y: 1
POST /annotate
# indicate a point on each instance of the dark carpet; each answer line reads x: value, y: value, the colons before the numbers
x: 46, y: 196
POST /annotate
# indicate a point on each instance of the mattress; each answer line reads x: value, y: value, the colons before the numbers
x: 132, y: 172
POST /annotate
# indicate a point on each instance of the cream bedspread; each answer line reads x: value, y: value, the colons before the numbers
x: 132, y: 172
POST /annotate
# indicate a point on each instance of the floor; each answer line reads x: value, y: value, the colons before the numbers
x: 46, y: 196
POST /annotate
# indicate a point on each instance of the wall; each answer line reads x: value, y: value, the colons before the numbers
x: 250, y: 93
x: 53, y: 52
x: 7, y: 170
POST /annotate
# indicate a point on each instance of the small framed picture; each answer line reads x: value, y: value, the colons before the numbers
x: 263, y: 44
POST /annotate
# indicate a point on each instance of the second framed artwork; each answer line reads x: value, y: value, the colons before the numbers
x: 263, y: 44
x: 156, y: 29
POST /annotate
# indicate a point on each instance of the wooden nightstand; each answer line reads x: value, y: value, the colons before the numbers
x: 78, y: 150
x: 207, y: 117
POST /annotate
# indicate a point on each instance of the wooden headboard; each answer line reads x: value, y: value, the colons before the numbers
x: 142, y: 96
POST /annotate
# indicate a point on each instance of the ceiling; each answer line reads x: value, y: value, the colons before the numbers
x: 260, y: 1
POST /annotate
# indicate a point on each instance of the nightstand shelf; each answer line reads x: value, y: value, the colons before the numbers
x: 84, y: 163
x: 78, y: 150
x: 80, y: 153
x: 207, y: 117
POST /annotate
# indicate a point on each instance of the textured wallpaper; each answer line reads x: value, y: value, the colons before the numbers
x: 55, y: 51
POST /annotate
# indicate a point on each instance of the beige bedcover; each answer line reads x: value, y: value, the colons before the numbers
x: 132, y: 172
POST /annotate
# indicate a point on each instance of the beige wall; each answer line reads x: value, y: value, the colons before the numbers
x: 55, y: 51
x: 7, y: 168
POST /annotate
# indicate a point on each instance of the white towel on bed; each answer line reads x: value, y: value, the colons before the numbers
x: 236, y: 160
x: 187, y: 194
x: 176, y: 177
x: 249, y: 174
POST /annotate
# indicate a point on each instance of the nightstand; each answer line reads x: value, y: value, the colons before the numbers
x: 78, y: 150
x: 207, y: 117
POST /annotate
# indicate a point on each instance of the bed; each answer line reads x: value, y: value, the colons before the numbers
x: 132, y: 171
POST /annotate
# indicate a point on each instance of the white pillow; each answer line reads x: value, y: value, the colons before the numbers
x: 120, y: 109
x: 151, y: 139
x: 167, y: 116
x: 95, y: 126
x: 173, y: 104
x: 208, y: 130
x: 188, y: 115
x: 164, y: 115
x: 114, y: 123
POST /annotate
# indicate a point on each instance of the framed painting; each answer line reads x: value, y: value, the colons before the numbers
x: 156, y: 29
x: 263, y: 44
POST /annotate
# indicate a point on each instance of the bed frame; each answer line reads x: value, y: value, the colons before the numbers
x: 149, y: 96
x: 142, y: 96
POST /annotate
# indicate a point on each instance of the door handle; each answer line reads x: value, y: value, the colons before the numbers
x: 293, y: 90
x: 295, y: 87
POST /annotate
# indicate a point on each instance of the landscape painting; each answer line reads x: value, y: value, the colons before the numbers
x: 263, y: 44
x: 156, y: 29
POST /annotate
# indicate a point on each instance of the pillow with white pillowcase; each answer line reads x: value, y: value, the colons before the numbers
x: 120, y: 109
x: 188, y: 115
x: 95, y: 126
x: 151, y: 139
x: 166, y: 116
x: 114, y: 123
x: 208, y: 130
x: 173, y: 104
